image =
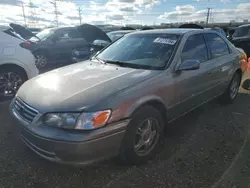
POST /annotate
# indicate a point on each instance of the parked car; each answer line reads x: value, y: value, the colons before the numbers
x: 196, y: 26
x: 85, y: 53
x: 81, y: 54
x: 114, y: 35
x: 219, y: 30
x: 55, y: 45
x: 241, y: 38
x: 16, y: 64
x: 118, y: 102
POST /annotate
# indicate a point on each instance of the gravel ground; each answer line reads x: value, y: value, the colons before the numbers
x: 198, y: 148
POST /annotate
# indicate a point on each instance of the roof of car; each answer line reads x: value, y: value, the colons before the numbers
x: 122, y: 31
x: 168, y: 31
x: 246, y: 25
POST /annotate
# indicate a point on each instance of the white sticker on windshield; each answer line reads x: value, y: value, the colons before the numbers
x: 165, y: 41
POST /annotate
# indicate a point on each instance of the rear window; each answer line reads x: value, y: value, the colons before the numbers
x: 242, y: 32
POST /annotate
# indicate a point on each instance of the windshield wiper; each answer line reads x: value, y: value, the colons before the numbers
x: 124, y: 64
x: 100, y: 60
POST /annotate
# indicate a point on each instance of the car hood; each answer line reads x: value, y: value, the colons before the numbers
x: 91, y: 33
x: 79, y: 86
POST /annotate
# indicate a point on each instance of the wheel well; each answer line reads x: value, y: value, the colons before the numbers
x: 13, y: 66
x: 159, y: 106
x: 238, y: 71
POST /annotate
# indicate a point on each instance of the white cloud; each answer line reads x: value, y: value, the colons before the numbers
x: 188, y: 13
x: 225, y: 1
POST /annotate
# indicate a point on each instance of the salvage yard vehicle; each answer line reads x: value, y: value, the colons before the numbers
x: 16, y: 64
x: 55, y: 45
x: 118, y: 102
x: 114, y: 35
x: 241, y: 38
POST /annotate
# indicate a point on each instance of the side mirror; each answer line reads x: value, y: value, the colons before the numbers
x: 189, y: 65
x: 98, y: 42
x: 246, y: 84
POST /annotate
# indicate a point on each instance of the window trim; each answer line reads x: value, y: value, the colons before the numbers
x: 210, y: 52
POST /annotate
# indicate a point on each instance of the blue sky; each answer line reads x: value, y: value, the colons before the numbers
x: 123, y: 11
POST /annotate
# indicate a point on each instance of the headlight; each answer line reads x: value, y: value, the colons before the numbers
x: 61, y: 120
x: 84, y: 121
x: 88, y: 121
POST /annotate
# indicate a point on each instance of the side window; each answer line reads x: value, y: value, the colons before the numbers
x: 69, y: 34
x: 217, y: 45
x: 195, y: 49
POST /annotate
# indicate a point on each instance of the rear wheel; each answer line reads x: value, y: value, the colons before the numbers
x: 143, y: 136
x: 10, y: 81
x: 41, y: 59
x: 232, y: 90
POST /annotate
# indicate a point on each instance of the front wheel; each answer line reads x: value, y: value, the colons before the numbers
x: 143, y: 136
x: 11, y: 80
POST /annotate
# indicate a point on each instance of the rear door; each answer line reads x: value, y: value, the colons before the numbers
x: 221, y: 61
x: 67, y: 41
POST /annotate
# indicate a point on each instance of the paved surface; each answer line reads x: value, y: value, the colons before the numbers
x: 198, y: 149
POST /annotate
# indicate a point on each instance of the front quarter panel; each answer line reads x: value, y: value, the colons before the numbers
x: 126, y: 102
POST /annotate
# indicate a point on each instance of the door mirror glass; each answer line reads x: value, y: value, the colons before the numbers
x: 189, y: 65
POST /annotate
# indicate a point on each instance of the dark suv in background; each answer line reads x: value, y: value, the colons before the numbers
x: 241, y: 38
x: 56, y: 45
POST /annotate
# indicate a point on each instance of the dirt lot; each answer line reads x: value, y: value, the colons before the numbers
x: 198, y: 149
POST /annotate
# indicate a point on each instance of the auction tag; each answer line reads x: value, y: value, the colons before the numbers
x: 164, y: 41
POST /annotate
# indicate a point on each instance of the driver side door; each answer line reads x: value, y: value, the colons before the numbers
x: 192, y: 86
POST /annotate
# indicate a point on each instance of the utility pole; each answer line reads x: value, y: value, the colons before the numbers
x: 208, y: 15
x: 80, y: 15
x: 54, y: 3
x: 32, y: 20
x: 24, y: 17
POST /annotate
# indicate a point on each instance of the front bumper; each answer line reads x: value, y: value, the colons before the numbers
x: 85, y: 152
x: 71, y: 146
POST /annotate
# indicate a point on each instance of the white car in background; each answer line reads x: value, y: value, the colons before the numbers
x: 16, y: 63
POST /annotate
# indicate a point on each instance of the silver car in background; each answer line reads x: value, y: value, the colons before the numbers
x: 118, y: 102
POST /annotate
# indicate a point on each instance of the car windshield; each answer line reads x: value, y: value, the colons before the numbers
x: 146, y: 51
x: 242, y: 32
x: 43, y: 34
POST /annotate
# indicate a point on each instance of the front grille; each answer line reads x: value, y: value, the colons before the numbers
x: 26, y: 112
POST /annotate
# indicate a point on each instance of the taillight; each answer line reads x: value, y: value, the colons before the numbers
x: 243, y: 62
x: 25, y: 44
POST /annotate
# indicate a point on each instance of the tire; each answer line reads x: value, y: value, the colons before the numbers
x: 11, y: 78
x: 41, y: 59
x: 130, y: 152
x: 232, y: 90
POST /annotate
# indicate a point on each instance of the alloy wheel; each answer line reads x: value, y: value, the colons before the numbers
x: 147, y: 136
x: 10, y: 82
x: 41, y: 60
